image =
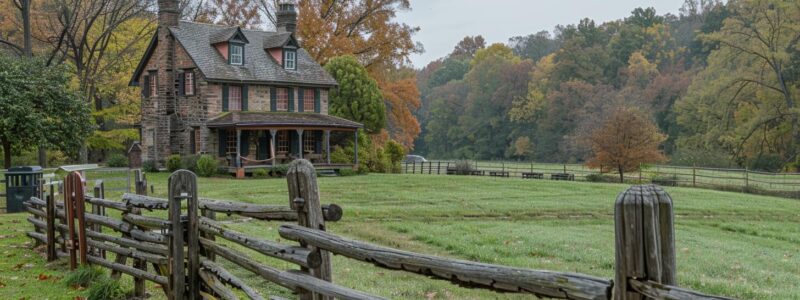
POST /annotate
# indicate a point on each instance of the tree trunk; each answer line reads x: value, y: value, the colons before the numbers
x: 25, y: 9
x: 6, y: 154
x: 621, y: 175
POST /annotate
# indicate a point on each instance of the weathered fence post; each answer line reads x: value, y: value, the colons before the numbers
x: 645, y: 242
x: 183, y: 186
x: 140, y: 182
x: 694, y: 175
x: 747, y: 180
x: 50, y: 212
x: 99, y: 192
x: 413, y: 167
x: 74, y: 206
x: 304, y: 198
x: 438, y: 167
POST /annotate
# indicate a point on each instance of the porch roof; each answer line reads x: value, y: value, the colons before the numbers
x: 245, y: 119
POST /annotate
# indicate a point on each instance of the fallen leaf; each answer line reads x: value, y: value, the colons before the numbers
x: 430, y: 295
x: 42, y: 276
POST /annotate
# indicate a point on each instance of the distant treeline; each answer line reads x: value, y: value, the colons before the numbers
x: 720, y: 79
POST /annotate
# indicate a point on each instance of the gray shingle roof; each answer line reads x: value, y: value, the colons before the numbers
x: 276, y: 40
x: 258, y: 66
x: 260, y: 119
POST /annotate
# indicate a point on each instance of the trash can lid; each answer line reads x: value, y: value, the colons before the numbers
x: 24, y: 170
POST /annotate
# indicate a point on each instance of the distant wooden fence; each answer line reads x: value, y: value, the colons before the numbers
x: 743, y: 180
x: 182, y: 249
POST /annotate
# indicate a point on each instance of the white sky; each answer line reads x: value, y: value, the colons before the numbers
x: 445, y: 22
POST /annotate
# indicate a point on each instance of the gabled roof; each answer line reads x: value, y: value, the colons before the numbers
x: 228, y: 34
x: 258, y: 67
x: 278, y: 119
x: 278, y: 40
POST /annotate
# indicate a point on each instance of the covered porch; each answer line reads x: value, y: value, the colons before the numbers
x: 255, y: 140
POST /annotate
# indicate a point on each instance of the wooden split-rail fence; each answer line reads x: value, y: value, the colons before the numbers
x: 180, y: 250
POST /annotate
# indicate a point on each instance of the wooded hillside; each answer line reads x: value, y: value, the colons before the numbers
x: 719, y: 79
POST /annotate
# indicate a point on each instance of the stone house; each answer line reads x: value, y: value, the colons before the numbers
x: 250, y: 98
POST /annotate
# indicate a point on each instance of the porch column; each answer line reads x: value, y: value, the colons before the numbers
x: 300, y: 141
x: 328, y: 145
x: 272, y: 134
x: 355, y: 150
x: 238, y: 161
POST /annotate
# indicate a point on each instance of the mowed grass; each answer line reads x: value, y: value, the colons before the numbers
x: 731, y: 244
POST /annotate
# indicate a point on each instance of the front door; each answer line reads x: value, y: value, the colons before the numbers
x: 262, y: 152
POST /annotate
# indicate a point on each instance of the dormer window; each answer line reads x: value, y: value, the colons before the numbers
x: 290, y: 59
x: 236, y: 54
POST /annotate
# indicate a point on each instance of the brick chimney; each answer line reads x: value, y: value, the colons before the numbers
x: 168, y: 16
x: 286, y: 17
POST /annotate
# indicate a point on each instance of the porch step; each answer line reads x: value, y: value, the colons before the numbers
x: 327, y: 173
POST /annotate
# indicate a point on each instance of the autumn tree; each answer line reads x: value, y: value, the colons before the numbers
x: 401, y: 97
x: 39, y: 108
x: 745, y: 101
x: 626, y: 139
x: 357, y: 98
x: 244, y: 13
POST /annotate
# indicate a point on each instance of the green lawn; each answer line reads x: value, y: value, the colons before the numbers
x: 732, y: 244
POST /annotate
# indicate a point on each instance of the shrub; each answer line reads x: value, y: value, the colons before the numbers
x: 280, y: 170
x: 206, y: 166
x: 174, y: 163
x: 347, y: 172
x: 83, y: 276
x: 260, y: 173
x: 596, y: 177
x: 394, y: 151
x: 105, y: 289
x: 767, y: 162
x: 150, y: 166
x: 189, y: 162
x: 463, y: 167
x: 117, y: 160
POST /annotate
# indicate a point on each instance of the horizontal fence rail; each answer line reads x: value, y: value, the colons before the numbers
x: 742, y: 180
x: 182, y: 241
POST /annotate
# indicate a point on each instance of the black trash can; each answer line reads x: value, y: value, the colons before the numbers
x: 22, y: 183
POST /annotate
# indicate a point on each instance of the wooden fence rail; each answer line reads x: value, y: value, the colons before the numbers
x: 177, y: 247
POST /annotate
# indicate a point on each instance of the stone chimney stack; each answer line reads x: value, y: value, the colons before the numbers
x: 168, y: 16
x: 286, y: 17
x: 168, y: 13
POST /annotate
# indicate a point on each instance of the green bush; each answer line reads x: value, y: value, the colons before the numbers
x: 767, y: 162
x: 105, y: 289
x: 260, y: 173
x: 596, y: 177
x: 206, y: 166
x: 347, y: 172
x: 150, y: 166
x: 463, y: 167
x: 117, y: 160
x: 279, y: 170
x: 83, y: 276
x: 174, y: 163
x: 189, y: 162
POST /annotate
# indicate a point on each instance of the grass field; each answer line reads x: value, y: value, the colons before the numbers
x: 731, y: 244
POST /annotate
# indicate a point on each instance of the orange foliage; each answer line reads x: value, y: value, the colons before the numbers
x: 402, y: 99
x: 366, y: 29
x: 625, y: 140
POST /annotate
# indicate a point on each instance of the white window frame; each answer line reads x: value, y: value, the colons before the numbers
x: 234, y: 56
x: 290, y: 63
x: 188, y: 83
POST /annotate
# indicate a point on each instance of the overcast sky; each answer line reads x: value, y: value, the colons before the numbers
x: 445, y: 22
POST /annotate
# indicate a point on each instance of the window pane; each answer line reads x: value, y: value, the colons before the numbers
x: 234, y: 98
x: 188, y: 83
x: 290, y: 60
x: 283, y: 141
x: 308, y: 100
x: 282, y: 99
x: 236, y: 54
x: 309, y: 141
